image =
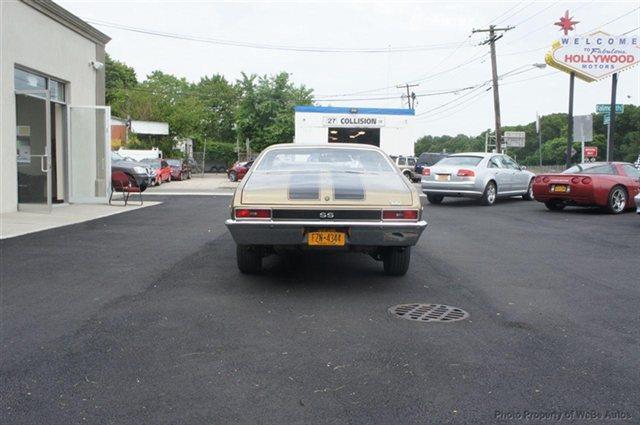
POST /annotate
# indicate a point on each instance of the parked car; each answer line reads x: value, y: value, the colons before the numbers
x: 406, y: 164
x: 637, y: 163
x: 161, y: 168
x: 611, y: 185
x: 486, y: 176
x: 139, y: 171
x: 238, y: 170
x: 340, y: 197
x: 180, y: 169
x: 427, y: 159
x: 212, y: 166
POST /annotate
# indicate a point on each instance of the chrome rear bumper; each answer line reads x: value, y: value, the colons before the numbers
x: 359, y: 233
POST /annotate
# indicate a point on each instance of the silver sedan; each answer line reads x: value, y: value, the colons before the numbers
x: 485, y: 176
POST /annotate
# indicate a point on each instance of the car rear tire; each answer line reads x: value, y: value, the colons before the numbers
x: 233, y: 176
x: 555, y: 205
x: 489, y: 195
x: 435, y: 199
x: 617, y: 200
x: 529, y: 195
x: 249, y: 259
x: 396, y: 261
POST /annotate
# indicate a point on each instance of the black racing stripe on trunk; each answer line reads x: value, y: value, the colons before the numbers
x: 347, y: 186
x: 304, y: 186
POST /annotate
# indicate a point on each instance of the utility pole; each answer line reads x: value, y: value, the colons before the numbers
x: 572, y: 79
x: 612, y: 118
x: 494, y: 71
x: 411, y: 97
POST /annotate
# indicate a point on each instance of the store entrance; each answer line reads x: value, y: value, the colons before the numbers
x: 367, y: 136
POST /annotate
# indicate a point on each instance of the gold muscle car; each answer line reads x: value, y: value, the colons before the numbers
x: 343, y: 197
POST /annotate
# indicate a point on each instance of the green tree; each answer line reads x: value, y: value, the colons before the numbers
x: 265, y: 113
x: 119, y: 78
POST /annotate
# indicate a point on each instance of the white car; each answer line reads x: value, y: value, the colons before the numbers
x: 637, y: 199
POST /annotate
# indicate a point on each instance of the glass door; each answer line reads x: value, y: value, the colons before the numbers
x: 89, y: 130
x: 33, y: 148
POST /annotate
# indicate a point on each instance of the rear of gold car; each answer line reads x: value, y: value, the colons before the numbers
x: 338, y: 209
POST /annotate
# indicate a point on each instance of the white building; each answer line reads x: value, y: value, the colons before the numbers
x: 386, y: 128
x: 55, y: 132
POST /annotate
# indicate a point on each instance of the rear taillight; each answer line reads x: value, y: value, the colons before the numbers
x: 400, y: 215
x: 252, y: 213
x: 586, y: 180
x: 426, y: 171
x: 546, y: 180
x: 466, y: 173
x: 538, y: 179
x: 575, y: 180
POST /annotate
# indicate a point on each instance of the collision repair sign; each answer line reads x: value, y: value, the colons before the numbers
x: 353, y: 121
x: 594, y: 56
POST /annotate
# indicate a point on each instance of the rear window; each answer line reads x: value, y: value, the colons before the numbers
x: 324, y: 159
x: 174, y: 162
x: 471, y: 161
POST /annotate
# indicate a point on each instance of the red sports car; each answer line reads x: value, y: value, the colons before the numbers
x: 238, y: 170
x: 161, y: 168
x: 611, y: 185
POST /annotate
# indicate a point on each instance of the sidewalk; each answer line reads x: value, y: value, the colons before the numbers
x: 21, y: 223
x: 209, y: 184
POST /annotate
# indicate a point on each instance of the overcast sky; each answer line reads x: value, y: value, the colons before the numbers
x: 444, y: 26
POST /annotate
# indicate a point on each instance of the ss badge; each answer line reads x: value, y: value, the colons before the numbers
x: 327, y: 214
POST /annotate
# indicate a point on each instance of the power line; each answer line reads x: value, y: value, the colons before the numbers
x: 264, y: 46
x: 537, y: 13
x: 504, y: 13
x: 515, y: 13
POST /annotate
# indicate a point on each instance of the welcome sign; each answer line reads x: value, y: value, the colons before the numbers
x: 594, y: 56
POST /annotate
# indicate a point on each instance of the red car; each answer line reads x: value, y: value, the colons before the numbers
x: 180, y: 170
x: 162, y: 170
x: 611, y: 185
x: 238, y: 170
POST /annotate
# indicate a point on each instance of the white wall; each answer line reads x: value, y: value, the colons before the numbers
x: 395, y: 134
x: 33, y: 40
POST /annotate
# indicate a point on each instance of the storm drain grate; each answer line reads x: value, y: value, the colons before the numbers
x: 429, y: 312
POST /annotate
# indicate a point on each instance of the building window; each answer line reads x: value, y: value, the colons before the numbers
x: 25, y: 80
x: 56, y: 90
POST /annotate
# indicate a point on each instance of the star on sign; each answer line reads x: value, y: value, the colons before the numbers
x: 566, y: 23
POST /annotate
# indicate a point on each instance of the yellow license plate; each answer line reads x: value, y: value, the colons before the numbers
x: 442, y: 177
x: 561, y: 188
x: 326, y: 238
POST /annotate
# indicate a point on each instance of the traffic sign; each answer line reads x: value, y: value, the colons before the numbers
x: 582, y: 128
x: 514, y: 139
x: 590, y: 151
x: 606, y: 108
x: 606, y: 119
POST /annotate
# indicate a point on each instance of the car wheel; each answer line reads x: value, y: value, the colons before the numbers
x: 158, y: 181
x: 555, y: 205
x: 617, y: 200
x: 396, y: 261
x: 435, y: 199
x: 489, y: 194
x: 249, y: 259
x: 233, y: 176
x: 529, y: 195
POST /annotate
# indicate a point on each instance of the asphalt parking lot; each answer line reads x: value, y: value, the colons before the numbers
x: 143, y: 318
